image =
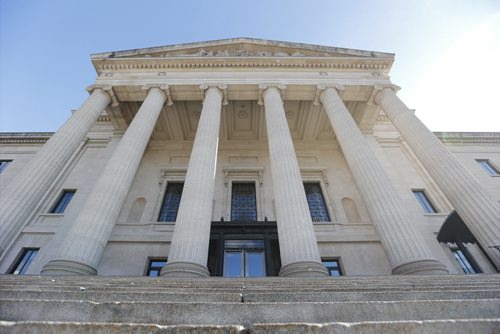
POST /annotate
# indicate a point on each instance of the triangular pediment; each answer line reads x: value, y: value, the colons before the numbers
x: 242, y: 47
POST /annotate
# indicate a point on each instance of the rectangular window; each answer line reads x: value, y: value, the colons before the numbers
x: 465, y: 261
x: 4, y: 164
x: 155, y: 265
x: 333, y: 266
x: 23, y: 262
x: 243, y: 202
x: 171, y: 201
x: 488, y: 167
x: 316, y: 201
x: 63, y: 201
x: 424, y: 201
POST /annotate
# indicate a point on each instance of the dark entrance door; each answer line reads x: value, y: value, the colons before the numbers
x: 244, y: 249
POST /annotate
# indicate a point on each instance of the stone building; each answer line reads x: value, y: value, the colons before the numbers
x: 247, y: 158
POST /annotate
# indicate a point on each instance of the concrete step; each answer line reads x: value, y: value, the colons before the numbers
x: 472, y: 326
x: 246, y: 296
x: 377, y: 283
x: 245, y: 302
x: 245, y: 313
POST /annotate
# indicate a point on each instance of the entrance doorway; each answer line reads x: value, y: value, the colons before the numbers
x: 244, y: 258
x: 244, y: 249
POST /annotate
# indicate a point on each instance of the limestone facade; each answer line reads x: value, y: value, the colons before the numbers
x: 271, y: 114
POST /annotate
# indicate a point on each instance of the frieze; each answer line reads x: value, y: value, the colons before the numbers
x: 176, y: 65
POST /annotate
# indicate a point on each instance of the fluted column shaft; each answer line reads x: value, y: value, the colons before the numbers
x: 403, y: 243
x: 475, y: 205
x: 298, y: 244
x: 84, y: 245
x: 188, y: 252
x: 22, y: 194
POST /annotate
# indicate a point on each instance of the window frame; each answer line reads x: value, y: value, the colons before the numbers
x: 231, y: 201
x: 163, y: 201
x: 149, y: 262
x: 318, y: 175
x: 429, y: 202
x: 243, y: 174
x: 4, y: 163
x: 488, y: 167
x: 57, y: 202
x: 20, y: 258
x: 324, y: 202
x: 173, y: 174
x: 339, y: 266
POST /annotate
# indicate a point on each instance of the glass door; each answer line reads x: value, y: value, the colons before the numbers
x: 244, y: 258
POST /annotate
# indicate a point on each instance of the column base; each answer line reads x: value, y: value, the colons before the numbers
x: 184, y: 270
x: 304, y: 269
x: 67, y: 268
x: 420, y: 267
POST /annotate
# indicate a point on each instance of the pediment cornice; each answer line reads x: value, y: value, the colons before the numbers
x: 242, y: 47
x: 243, y: 53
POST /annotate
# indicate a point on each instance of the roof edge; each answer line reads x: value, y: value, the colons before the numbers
x: 174, y: 47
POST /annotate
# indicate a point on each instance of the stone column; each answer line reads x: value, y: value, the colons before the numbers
x: 82, y: 248
x: 476, y: 206
x: 298, y: 245
x: 188, y: 252
x: 402, y: 242
x: 22, y: 195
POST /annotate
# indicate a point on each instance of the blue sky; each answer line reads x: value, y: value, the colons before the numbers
x: 447, y: 51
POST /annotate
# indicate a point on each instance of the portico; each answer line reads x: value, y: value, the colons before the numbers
x: 285, y: 100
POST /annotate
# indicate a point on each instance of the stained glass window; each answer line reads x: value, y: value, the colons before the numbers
x: 243, y: 202
x: 171, y: 200
x: 316, y: 202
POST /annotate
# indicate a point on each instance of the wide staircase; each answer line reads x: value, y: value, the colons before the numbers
x: 374, y: 304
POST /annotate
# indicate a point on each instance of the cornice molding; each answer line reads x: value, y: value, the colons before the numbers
x: 25, y: 137
x: 354, y: 64
x: 468, y: 137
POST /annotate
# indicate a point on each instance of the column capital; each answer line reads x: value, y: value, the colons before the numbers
x: 221, y: 87
x: 264, y: 86
x: 377, y: 89
x: 164, y: 88
x: 321, y: 88
x: 107, y: 89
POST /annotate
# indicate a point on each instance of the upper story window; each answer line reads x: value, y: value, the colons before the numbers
x: 316, y: 201
x: 24, y: 260
x: 243, y: 201
x: 155, y: 265
x: 333, y: 266
x: 424, y: 201
x: 171, y: 201
x: 63, y: 201
x: 4, y: 164
x: 488, y: 167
